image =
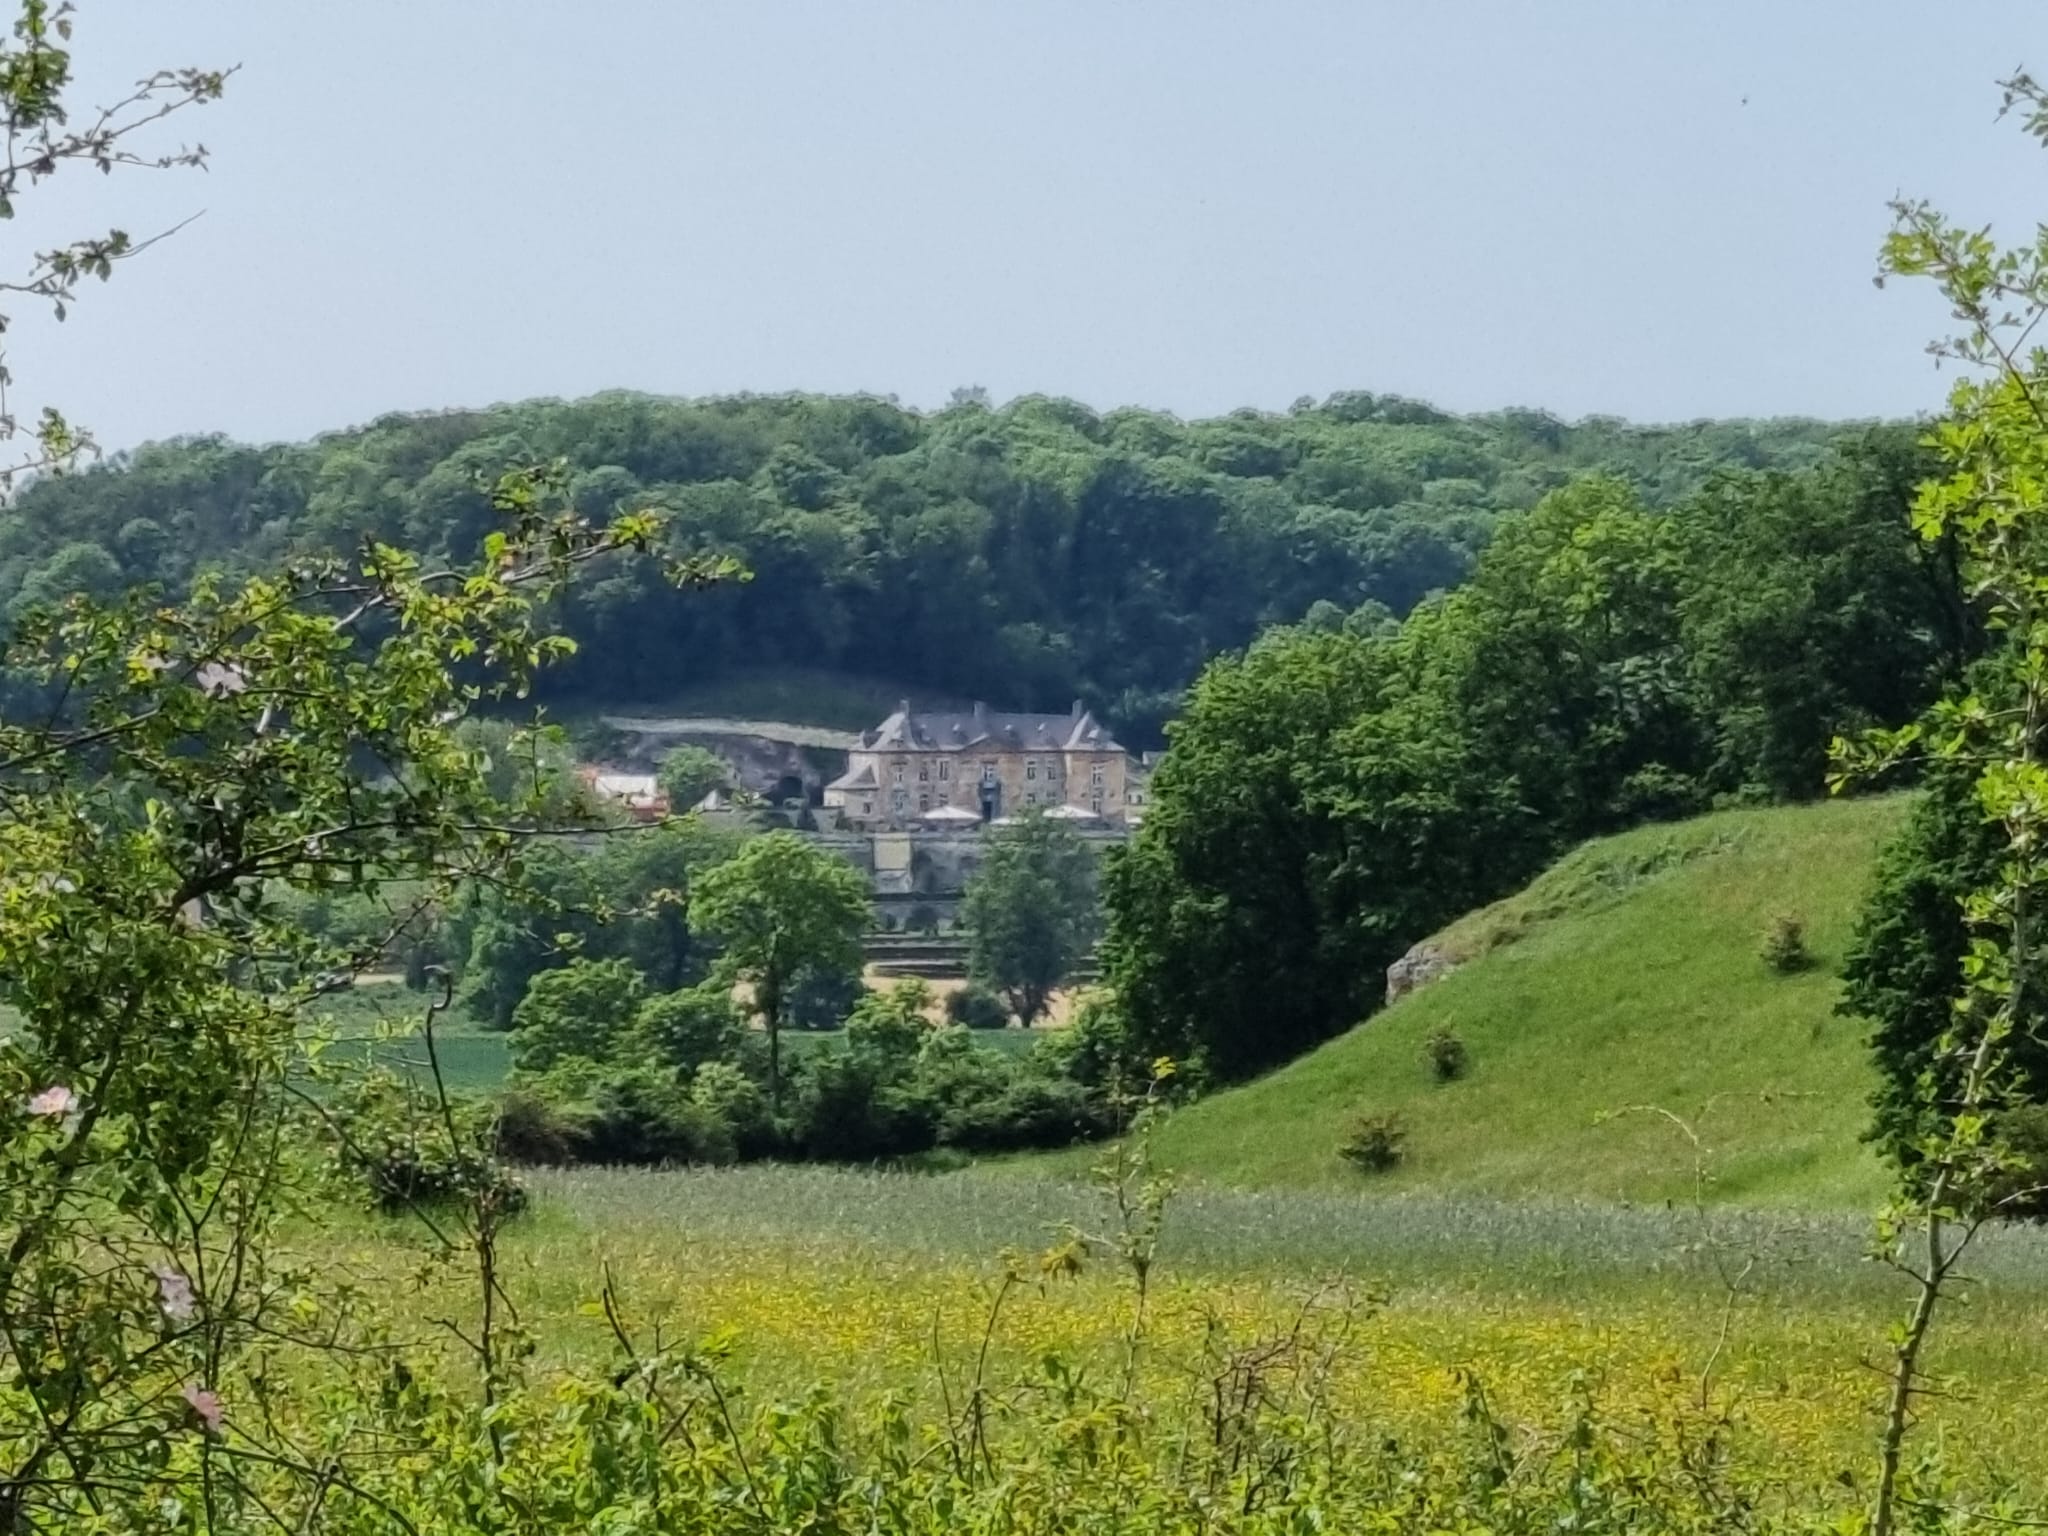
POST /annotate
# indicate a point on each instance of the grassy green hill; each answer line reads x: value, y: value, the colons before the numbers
x: 1625, y: 981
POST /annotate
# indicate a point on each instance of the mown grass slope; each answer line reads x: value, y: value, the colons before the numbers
x: 1624, y: 985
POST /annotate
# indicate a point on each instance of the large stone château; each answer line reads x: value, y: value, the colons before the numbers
x: 939, y: 769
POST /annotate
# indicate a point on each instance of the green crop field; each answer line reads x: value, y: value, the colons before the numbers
x: 380, y: 1022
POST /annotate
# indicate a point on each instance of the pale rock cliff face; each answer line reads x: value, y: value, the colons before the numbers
x: 1415, y: 970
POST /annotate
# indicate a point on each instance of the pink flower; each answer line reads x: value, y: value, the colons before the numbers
x: 217, y: 679
x: 54, y: 1102
x: 173, y: 1293
x: 206, y: 1405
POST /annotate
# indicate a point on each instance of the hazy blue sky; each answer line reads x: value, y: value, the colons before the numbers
x: 1655, y: 210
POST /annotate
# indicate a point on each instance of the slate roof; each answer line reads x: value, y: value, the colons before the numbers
x: 910, y: 730
x: 862, y: 777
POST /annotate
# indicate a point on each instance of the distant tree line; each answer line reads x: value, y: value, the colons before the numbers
x: 1032, y: 553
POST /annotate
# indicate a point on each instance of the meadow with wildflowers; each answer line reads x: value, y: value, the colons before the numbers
x: 891, y: 1286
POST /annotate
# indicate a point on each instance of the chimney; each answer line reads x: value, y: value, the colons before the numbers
x: 980, y: 715
x: 1080, y: 709
x: 903, y: 709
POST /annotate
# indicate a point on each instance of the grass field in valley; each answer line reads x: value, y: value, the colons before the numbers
x: 1623, y: 982
x: 863, y: 1280
x: 1536, y: 1237
x: 380, y: 1022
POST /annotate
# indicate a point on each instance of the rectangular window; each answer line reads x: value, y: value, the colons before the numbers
x: 1031, y: 797
x: 988, y: 771
x: 924, y: 802
x: 1095, y: 775
x: 1030, y: 767
x: 899, y: 771
x: 867, y: 807
x: 924, y: 773
x: 1098, y: 803
x: 945, y: 770
x: 898, y: 799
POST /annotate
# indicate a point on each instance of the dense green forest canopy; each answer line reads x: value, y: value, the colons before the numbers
x: 1331, y: 797
x: 1032, y: 553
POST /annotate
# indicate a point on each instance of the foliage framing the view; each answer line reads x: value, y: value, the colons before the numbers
x: 1991, y: 505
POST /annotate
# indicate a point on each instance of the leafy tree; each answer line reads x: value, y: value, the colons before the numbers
x: 689, y: 772
x: 525, y: 764
x: 1810, y: 610
x: 1907, y: 959
x: 976, y: 1007
x: 821, y: 997
x: 1335, y: 794
x: 276, y: 734
x: 686, y: 1029
x: 1982, y: 1126
x: 626, y: 897
x: 582, y: 1011
x: 1219, y: 942
x: 782, y: 907
x: 1560, y: 661
x: 1030, y: 912
x: 891, y: 1025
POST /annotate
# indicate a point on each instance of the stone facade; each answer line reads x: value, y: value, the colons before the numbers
x: 938, y: 769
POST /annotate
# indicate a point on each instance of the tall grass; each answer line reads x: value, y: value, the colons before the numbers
x: 871, y: 1281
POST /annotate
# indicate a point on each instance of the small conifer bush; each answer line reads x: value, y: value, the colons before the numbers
x: 1784, y: 945
x: 1446, y: 1055
x: 1375, y: 1143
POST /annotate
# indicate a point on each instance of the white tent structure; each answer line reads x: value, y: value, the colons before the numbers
x: 1071, y: 813
x: 948, y: 815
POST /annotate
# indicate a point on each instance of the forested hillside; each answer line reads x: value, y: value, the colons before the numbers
x: 1030, y: 553
x: 1330, y: 798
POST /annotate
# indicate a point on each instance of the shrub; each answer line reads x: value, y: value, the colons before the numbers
x: 393, y: 1145
x: 976, y: 1007
x: 2020, y: 1189
x: 1376, y: 1143
x: 723, y: 1089
x: 533, y: 1129
x: 640, y: 1115
x: 888, y: 1028
x: 686, y: 1029
x: 821, y: 999
x: 1784, y: 945
x: 1096, y: 1049
x: 1030, y: 1110
x: 1446, y: 1055
x: 580, y: 1010
x: 846, y: 1108
x: 631, y: 1115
